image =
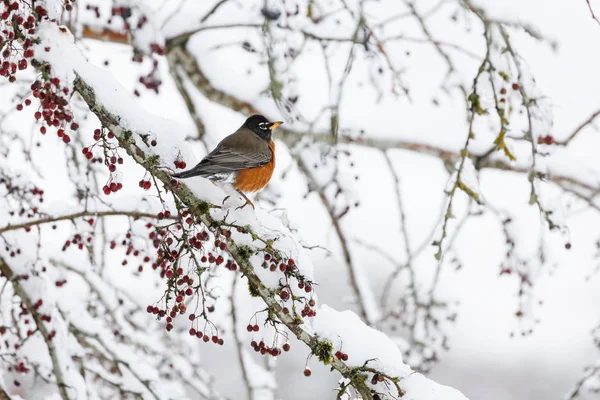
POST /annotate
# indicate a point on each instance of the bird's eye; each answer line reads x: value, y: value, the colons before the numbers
x: 264, y: 126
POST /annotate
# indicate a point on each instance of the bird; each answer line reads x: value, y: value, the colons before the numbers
x: 245, y: 159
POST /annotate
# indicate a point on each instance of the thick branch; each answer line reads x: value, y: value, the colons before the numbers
x: 199, y: 209
x: 104, y: 34
x: 4, y: 395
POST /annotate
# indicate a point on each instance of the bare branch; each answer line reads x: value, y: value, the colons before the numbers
x: 592, y: 12
x: 583, y: 125
x: 67, y: 217
x: 352, y: 273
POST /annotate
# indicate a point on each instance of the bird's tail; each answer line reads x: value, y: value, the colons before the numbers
x: 189, y: 173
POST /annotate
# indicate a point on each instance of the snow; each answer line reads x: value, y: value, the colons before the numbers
x: 363, y: 344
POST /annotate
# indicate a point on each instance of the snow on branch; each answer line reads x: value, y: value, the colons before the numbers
x: 368, y: 361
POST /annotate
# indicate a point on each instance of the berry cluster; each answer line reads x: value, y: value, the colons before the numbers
x: 145, y: 184
x: 548, y: 139
x: 264, y: 349
x: 179, y: 163
x: 134, y: 21
x: 288, y: 267
x: 341, y: 356
x: 77, y: 240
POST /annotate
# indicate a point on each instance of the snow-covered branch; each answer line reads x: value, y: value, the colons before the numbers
x: 99, y: 91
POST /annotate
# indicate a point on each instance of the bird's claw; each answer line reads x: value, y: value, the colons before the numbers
x: 245, y: 204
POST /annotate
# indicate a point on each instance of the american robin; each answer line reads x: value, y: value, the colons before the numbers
x: 246, y: 158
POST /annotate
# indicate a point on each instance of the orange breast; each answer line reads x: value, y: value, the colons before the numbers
x: 254, y: 179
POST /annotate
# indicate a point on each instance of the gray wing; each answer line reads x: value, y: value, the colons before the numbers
x: 241, y: 150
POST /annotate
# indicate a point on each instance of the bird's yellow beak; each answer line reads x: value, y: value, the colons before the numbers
x: 275, y: 124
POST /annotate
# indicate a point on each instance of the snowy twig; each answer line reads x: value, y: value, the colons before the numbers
x: 430, y: 38
x: 576, y: 390
x: 352, y: 273
x: 78, y: 332
x: 67, y: 217
x: 583, y: 125
x: 409, y: 257
x: 56, y: 367
x: 238, y: 342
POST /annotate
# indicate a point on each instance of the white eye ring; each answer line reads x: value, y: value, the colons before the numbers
x: 264, y: 126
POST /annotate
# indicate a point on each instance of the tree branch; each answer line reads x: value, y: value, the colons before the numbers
x: 199, y: 209
x: 352, y: 273
x: 97, y: 214
x: 19, y: 291
x: 584, y: 124
x: 592, y: 11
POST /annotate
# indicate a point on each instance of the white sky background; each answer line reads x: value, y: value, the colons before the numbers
x: 483, y: 362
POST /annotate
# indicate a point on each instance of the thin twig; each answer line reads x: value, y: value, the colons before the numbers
x: 97, y: 214
x: 592, y: 12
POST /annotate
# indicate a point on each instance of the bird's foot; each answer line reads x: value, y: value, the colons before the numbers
x: 248, y: 202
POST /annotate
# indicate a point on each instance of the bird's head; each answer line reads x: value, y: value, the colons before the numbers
x: 261, y: 126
